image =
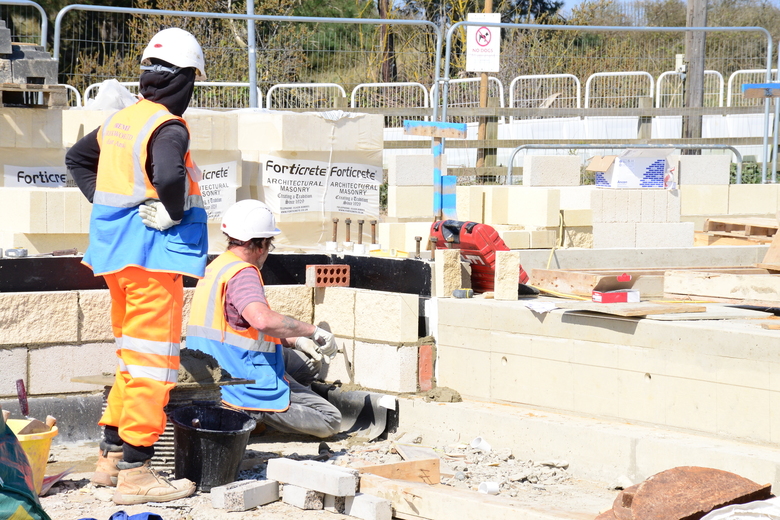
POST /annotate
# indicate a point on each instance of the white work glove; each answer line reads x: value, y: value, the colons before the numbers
x: 326, y: 341
x: 308, y: 347
x: 154, y: 215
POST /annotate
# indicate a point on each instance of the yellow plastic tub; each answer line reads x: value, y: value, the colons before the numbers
x: 36, y: 446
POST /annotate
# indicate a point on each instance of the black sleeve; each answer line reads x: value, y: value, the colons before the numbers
x: 165, y: 165
x: 82, y: 163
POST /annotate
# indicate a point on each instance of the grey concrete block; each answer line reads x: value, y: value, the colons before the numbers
x: 5, y: 38
x: 301, y: 497
x: 551, y: 170
x: 244, y: 494
x: 412, y: 170
x: 32, y: 64
x: 615, y: 234
x: 5, y: 71
x: 704, y: 170
x: 368, y: 507
x: 51, y: 368
x: 14, y: 363
x: 335, y: 504
x: 317, y: 476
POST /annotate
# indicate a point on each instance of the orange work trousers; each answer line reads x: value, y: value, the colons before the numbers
x: 146, y: 317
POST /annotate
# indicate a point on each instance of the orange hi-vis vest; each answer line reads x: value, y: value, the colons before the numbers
x: 244, y: 354
x: 117, y: 237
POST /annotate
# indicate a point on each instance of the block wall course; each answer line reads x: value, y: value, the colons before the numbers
x: 292, y: 300
x: 400, y: 235
x: 335, y: 308
x: 610, y: 235
x: 578, y: 217
x: 23, y: 210
x: 14, y: 363
x: 679, y: 234
x: 30, y: 128
x: 399, y: 367
x: 516, y: 239
x: 51, y: 368
x: 533, y: 207
x: 496, y: 200
x: 412, y: 170
x: 577, y: 197
x: 704, y: 200
x: 756, y: 199
x: 551, y: 170
x: 36, y: 243
x: 542, y: 238
x: 386, y: 317
x: 95, y: 316
x: 38, y: 317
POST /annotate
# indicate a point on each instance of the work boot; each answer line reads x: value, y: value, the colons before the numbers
x: 106, y: 471
x: 138, y: 483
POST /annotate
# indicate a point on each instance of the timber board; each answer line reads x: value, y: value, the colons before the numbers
x: 631, y: 309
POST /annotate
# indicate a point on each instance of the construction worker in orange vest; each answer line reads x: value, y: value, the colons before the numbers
x: 147, y: 230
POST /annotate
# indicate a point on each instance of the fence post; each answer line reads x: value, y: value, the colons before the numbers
x: 645, y: 122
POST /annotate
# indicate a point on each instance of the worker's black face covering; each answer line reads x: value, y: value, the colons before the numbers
x: 173, y: 91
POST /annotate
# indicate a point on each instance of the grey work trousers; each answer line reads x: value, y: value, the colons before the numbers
x: 308, y: 414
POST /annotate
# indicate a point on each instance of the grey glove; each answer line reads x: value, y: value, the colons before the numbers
x: 326, y: 342
x: 154, y: 215
x: 307, y: 346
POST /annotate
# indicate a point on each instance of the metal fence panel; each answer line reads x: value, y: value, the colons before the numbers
x: 26, y: 19
x: 390, y: 95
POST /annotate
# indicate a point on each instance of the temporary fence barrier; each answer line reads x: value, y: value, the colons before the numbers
x: 21, y: 6
x: 304, y: 95
x: 618, y: 89
x: 666, y: 96
x: 406, y: 94
x: 203, y: 96
x: 530, y: 91
x: 465, y: 93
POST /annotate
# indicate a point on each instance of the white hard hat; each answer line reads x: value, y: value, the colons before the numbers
x: 248, y: 219
x: 177, y: 47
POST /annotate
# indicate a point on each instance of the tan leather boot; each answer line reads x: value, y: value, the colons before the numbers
x: 142, y: 484
x: 106, y: 471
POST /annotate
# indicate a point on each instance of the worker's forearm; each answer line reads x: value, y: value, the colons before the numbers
x: 265, y: 320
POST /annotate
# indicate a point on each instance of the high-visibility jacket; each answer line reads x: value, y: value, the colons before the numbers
x: 244, y: 353
x: 117, y: 236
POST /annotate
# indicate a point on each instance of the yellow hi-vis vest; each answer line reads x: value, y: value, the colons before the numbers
x: 117, y: 237
x: 244, y: 353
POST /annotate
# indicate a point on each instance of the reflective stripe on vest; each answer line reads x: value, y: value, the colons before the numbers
x: 165, y: 375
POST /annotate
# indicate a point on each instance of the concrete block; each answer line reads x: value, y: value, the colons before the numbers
x: 649, y: 207
x: 698, y: 170
x: 23, y: 210
x: 470, y: 203
x: 597, y: 205
x: 542, y: 238
x: 516, y: 239
x: 634, y: 210
x: 72, y: 208
x: 551, y: 170
x: 409, y: 201
x: 664, y: 234
x: 23, y: 316
x: 368, y: 507
x: 704, y: 200
x: 533, y: 207
x: 244, y: 494
x: 51, y: 368
x: 78, y: 123
x: 756, y: 199
x: 660, y: 204
x: 496, y: 200
x: 5, y: 39
x: 292, y: 300
x: 604, y: 210
x: 447, y: 272
x: 578, y: 217
x: 506, y: 278
x: 335, y: 504
x: 31, y: 63
x: 581, y: 236
x: 55, y: 210
x: 302, y: 498
x: 412, y: 170
x: 672, y: 205
x: 30, y: 128
x: 335, y: 308
x: 5, y: 69
x: 340, y: 366
x: 317, y: 476
x: 610, y: 235
x: 14, y: 363
x: 46, y: 128
x: 386, y: 317
x: 577, y: 197
x: 94, y: 315
x: 399, y: 366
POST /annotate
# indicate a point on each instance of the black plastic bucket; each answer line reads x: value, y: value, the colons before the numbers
x: 209, y: 443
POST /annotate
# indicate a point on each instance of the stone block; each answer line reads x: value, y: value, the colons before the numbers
x: 634, y: 210
x: 409, y: 201
x: 334, y: 308
x: 447, y: 272
x: 704, y: 200
x: 516, y: 239
x: 470, y: 203
x: 507, y: 269
x: 302, y: 498
x: 399, y: 366
x: 611, y: 235
x: 542, y: 238
x: 86, y: 214
x: 31, y: 63
x: 551, y: 170
x: 72, y: 208
x: 296, y: 301
x: 702, y: 170
x: 317, y: 476
x: 664, y: 234
x: 578, y: 217
x: 577, y: 197
x: 342, y: 364
x: 5, y: 71
x: 335, y: 504
x: 386, y: 317
x: 5, y: 38
x: 660, y: 204
x: 533, y: 207
x: 212, y: 130
x: 649, y: 206
x: 244, y: 494
x: 23, y: 210
x: 51, y: 368
x: 413, y: 170
x: 46, y: 131
x: 38, y: 317
x: 368, y: 507
x: 95, y: 316
x: 78, y: 123
x: 496, y: 200
x: 672, y: 205
x: 756, y: 199
x: 14, y: 363
x: 55, y: 210
x: 578, y: 237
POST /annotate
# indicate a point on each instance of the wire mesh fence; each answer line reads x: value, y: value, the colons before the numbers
x: 23, y: 20
x: 391, y: 95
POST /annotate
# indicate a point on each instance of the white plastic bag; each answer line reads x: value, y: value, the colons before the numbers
x: 111, y: 96
x: 761, y: 509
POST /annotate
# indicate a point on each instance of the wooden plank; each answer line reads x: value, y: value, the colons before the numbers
x: 630, y: 309
x: 773, y: 255
x: 723, y: 285
x: 425, y: 470
x: 715, y: 299
x: 713, y: 312
x: 418, y: 452
x: 435, y: 129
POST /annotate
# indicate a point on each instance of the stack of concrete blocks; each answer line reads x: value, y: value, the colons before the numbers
x: 24, y: 62
x: 5, y: 52
x: 373, y: 329
x: 577, y: 213
x: 317, y: 485
x: 409, y: 202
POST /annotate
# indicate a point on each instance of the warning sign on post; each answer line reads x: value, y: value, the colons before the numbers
x: 483, y: 44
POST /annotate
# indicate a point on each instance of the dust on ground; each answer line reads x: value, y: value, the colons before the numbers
x: 538, y: 484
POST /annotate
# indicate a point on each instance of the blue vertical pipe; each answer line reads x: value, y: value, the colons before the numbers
x: 438, y: 146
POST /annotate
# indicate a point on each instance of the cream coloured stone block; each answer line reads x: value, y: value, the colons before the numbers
x: 46, y: 128
x: 660, y: 204
x: 611, y: 235
x: 409, y: 201
x: 533, y: 207
x: 551, y: 170
x: 39, y: 243
x: 597, y: 205
x: 673, y: 205
x: 212, y: 129
x: 704, y: 200
x: 578, y: 236
x: 515, y: 238
x: 72, y: 210
x: 51, y: 368
x: 335, y: 307
x: 704, y: 169
x: 470, y: 203
x: 86, y: 214
x: 78, y: 123
x: 386, y: 317
x: 759, y: 199
x: 604, y: 209
x: 400, y: 235
x: 641, y: 396
x: 511, y: 378
x: 507, y: 269
x: 496, y: 202
x: 23, y: 210
x: 292, y: 300
x: 664, y: 234
x: 595, y: 388
x: 413, y: 170
x: 465, y: 369
x: 95, y: 316
x: 542, y: 238
x: 337, y: 369
x: 578, y: 217
x: 577, y: 197
x: 690, y: 403
x: 634, y: 209
x: 38, y: 317
x: 447, y: 272
x: 14, y: 363
x: 55, y: 210
x: 16, y: 127
x: 398, y: 364
x: 649, y: 206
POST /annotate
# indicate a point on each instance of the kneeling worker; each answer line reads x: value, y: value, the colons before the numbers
x: 230, y: 319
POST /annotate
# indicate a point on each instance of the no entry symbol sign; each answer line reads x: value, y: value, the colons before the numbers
x: 483, y: 36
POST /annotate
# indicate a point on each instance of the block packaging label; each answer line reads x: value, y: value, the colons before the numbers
x: 37, y: 177
x: 218, y: 188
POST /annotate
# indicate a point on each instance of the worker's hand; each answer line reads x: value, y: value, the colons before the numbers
x: 154, y: 215
x: 308, y: 347
x: 326, y: 341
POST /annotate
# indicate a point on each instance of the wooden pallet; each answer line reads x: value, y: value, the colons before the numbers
x: 753, y: 227
x: 31, y: 95
x: 725, y: 239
